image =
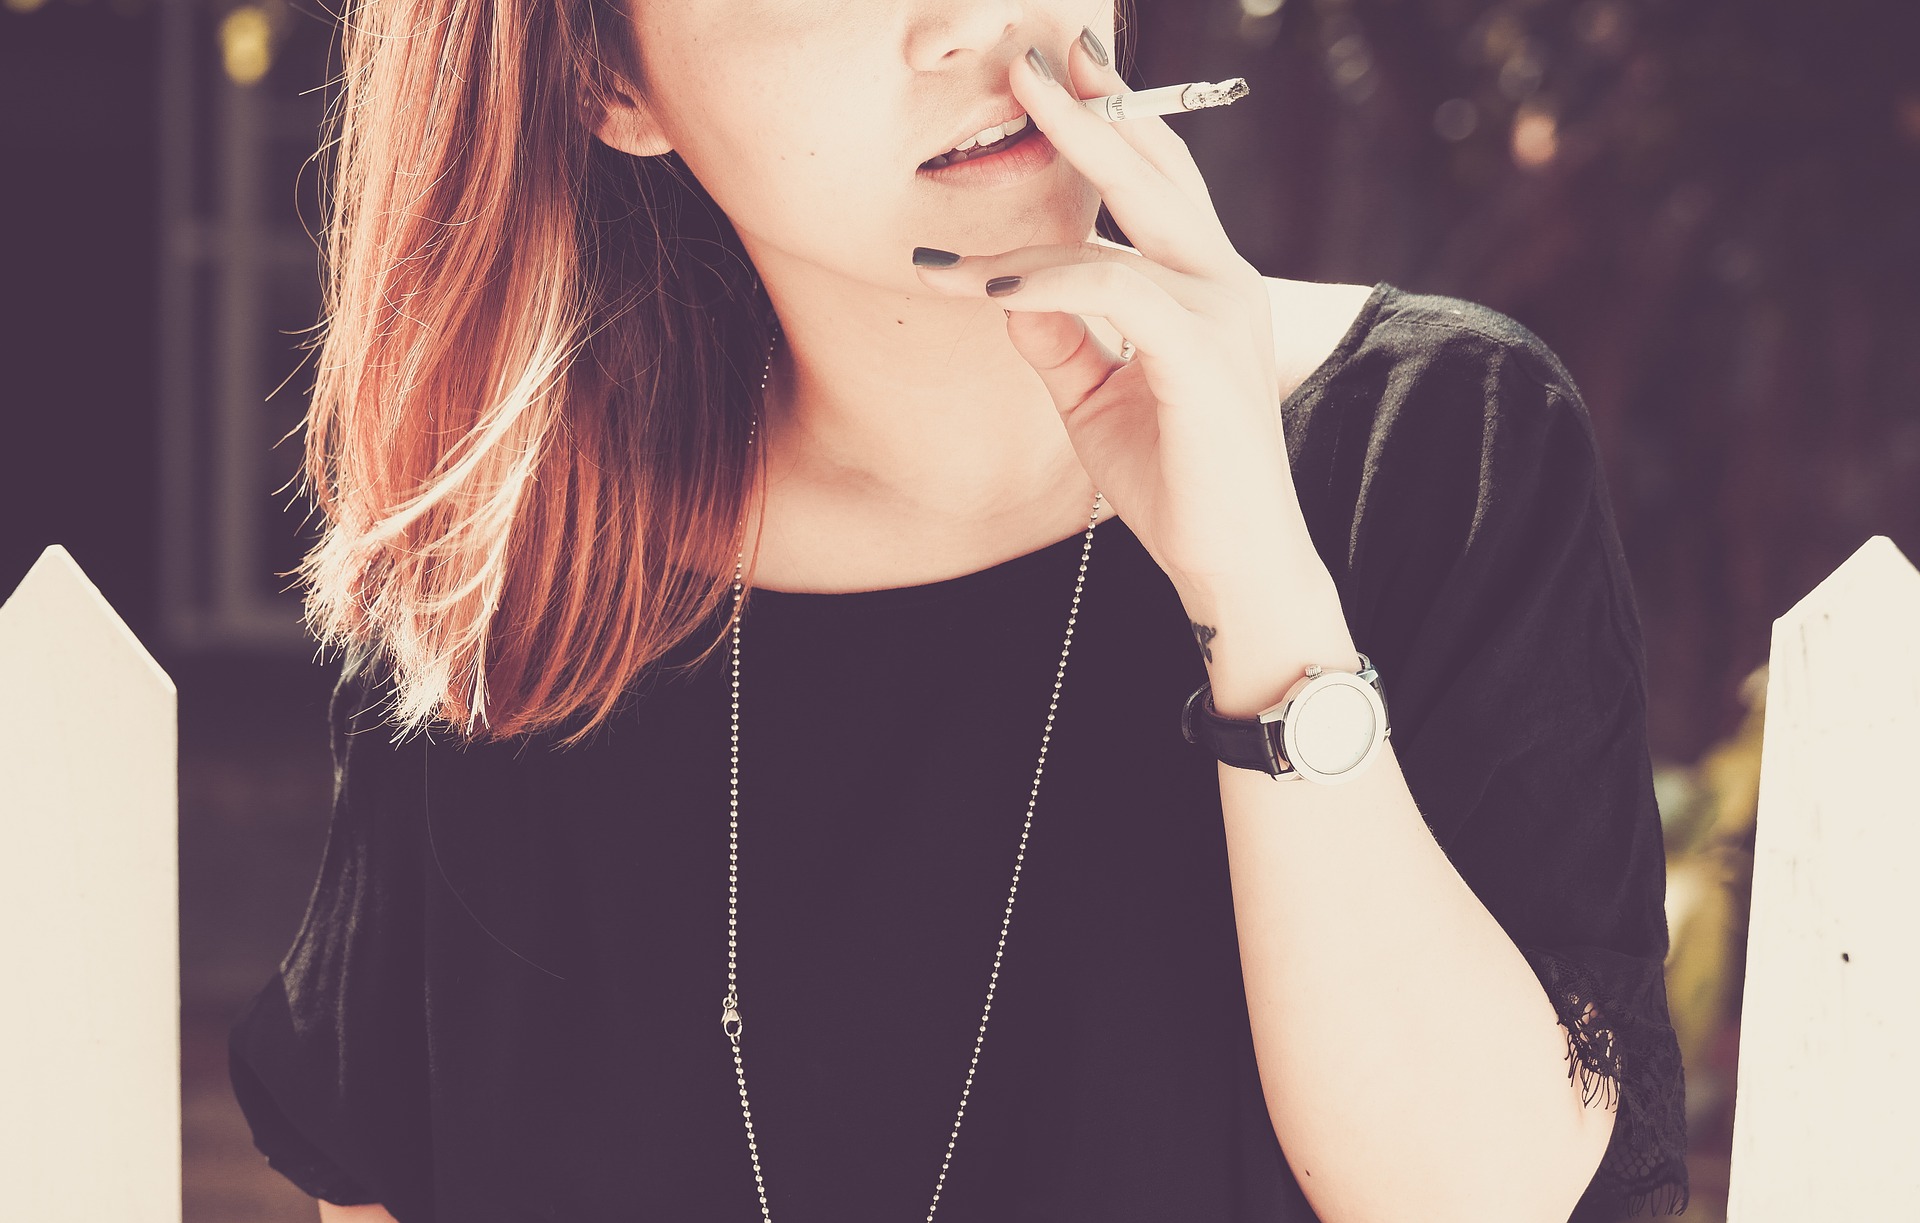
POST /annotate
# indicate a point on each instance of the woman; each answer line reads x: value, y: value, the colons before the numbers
x: 690, y: 329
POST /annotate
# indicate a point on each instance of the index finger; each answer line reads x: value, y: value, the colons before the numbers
x: 1167, y: 224
x: 1095, y: 76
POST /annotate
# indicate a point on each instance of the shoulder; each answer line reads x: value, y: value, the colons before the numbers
x: 1311, y: 323
x: 1416, y: 369
x: 1455, y: 334
x: 1436, y: 427
x: 1380, y: 331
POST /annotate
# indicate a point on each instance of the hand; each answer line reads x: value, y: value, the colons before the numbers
x: 1185, y: 439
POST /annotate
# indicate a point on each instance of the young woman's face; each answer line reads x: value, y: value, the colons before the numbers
x: 809, y: 122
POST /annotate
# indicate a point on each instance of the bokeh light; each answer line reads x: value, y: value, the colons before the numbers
x: 1455, y: 119
x: 246, y: 44
x: 1536, y: 137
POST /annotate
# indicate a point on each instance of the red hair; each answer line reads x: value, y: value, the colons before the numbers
x: 538, y: 360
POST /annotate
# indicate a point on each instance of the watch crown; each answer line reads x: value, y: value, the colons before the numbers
x: 1313, y: 669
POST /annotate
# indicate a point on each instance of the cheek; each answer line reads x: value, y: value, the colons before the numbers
x: 769, y: 180
x: 788, y: 159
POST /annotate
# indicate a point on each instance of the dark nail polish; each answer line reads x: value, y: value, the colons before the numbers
x: 1091, y: 42
x: 1040, y: 65
x: 1000, y: 286
x: 933, y: 257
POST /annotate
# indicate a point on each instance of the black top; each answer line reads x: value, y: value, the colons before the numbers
x: 504, y: 1001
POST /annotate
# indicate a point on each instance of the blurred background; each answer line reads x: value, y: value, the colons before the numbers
x: 1706, y: 207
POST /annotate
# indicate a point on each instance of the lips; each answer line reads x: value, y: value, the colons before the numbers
x: 1000, y: 111
x: 983, y: 150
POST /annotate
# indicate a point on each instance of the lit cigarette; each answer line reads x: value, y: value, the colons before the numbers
x: 1167, y: 99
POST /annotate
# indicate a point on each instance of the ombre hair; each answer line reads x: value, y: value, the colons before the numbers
x: 539, y: 359
x: 538, y: 362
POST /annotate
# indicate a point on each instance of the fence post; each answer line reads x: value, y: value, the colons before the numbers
x: 89, y: 910
x: 1824, y: 1121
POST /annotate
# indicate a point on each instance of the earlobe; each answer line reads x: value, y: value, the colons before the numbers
x: 629, y: 127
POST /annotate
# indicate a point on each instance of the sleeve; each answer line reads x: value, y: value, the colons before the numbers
x: 1509, y: 647
x: 328, y: 1062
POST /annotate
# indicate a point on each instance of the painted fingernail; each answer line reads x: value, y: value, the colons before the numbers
x: 1091, y: 42
x: 1000, y: 286
x: 933, y: 257
x: 1040, y: 65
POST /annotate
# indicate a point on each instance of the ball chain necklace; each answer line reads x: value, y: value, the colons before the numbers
x: 730, y: 1021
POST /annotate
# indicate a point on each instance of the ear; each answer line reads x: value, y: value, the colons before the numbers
x: 628, y: 124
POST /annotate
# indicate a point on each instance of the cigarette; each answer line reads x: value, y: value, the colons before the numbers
x: 1167, y: 99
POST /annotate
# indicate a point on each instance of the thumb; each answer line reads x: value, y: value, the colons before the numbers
x: 1070, y: 359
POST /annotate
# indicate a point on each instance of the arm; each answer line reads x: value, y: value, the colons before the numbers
x: 1413, y: 1065
x: 329, y: 1213
x: 328, y: 1062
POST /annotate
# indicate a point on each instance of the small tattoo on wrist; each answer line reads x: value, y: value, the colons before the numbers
x: 1204, y: 634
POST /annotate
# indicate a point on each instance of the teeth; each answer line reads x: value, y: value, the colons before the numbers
x: 992, y: 134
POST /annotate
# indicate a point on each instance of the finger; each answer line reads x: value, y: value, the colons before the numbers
x: 1166, y: 223
x: 1069, y: 357
x: 1071, y: 360
x: 966, y: 275
x: 1094, y: 75
x: 1162, y: 330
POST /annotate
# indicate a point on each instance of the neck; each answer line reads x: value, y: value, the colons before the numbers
x: 930, y: 416
x: 916, y: 409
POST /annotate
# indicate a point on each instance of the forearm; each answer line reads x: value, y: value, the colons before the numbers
x: 1413, y: 1065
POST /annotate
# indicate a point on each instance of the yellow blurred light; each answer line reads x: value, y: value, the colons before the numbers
x: 25, y: 6
x: 1536, y: 138
x: 246, y: 44
x: 1260, y: 8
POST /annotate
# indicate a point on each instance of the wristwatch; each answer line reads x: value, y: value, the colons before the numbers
x: 1327, y: 728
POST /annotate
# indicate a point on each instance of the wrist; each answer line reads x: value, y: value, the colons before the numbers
x: 1257, y: 644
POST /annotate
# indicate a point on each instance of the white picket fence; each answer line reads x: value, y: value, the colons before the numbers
x: 1825, y: 1127
x: 89, y: 907
x: 90, y: 1124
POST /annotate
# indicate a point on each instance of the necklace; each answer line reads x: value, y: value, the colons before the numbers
x: 730, y: 1021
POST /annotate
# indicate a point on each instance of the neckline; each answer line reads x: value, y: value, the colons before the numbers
x: 945, y: 588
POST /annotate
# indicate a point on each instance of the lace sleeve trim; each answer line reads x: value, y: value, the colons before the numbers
x: 1624, y: 1056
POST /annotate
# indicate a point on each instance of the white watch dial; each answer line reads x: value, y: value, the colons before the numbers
x: 1332, y: 728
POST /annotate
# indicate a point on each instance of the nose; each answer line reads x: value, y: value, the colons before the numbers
x: 943, y: 29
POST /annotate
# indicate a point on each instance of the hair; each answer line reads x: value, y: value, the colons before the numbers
x: 538, y: 363
x: 527, y: 433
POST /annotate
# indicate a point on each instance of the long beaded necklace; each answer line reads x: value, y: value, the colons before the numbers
x: 730, y: 1020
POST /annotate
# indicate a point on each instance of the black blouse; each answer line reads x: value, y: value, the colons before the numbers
x: 504, y: 1001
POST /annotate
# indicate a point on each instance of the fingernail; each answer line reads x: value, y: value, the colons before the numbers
x: 1091, y: 42
x: 933, y: 257
x: 1039, y: 63
x: 1000, y: 286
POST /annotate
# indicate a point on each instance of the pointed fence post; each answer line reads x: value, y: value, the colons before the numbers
x: 1825, y: 1125
x: 89, y: 911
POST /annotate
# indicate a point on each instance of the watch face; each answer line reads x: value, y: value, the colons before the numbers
x: 1332, y: 729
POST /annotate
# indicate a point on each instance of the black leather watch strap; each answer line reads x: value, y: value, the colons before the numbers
x: 1249, y: 743
x: 1245, y: 743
